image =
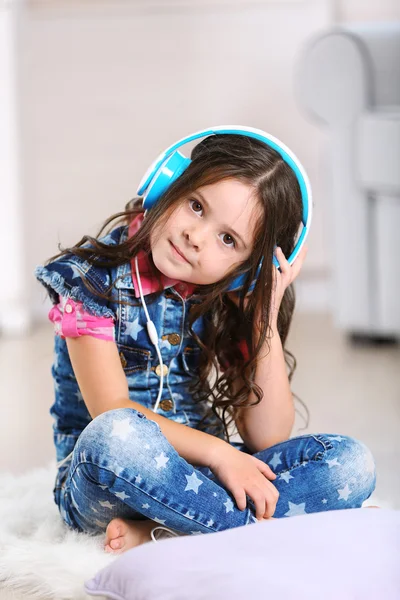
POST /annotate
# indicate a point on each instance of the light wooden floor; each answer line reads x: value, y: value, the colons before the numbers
x: 349, y: 390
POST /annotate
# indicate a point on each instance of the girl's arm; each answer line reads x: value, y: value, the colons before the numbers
x: 271, y: 421
x: 103, y: 384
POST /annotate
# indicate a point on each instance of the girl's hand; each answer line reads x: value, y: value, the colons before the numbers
x: 282, y: 280
x: 244, y: 474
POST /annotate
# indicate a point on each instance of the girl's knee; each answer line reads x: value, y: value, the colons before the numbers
x: 115, y: 433
x: 354, y: 464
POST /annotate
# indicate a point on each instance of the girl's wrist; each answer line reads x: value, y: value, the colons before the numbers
x: 273, y: 325
x: 216, y: 448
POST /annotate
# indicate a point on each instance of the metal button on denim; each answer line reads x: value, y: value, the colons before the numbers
x: 174, y: 339
x: 166, y: 404
x: 158, y: 370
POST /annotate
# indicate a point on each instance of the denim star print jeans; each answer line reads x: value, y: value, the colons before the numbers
x: 123, y: 466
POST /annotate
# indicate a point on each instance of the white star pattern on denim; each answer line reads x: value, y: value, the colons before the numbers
x: 122, y: 429
x: 180, y: 419
x: 106, y: 504
x: 296, y: 509
x: 138, y: 479
x: 286, y: 476
x: 189, y: 516
x: 103, y: 487
x: 78, y: 396
x: 228, y: 505
x: 324, y: 501
x: 336, y: 438
x: 162, y: 521
x: 75, y: 271
x: 344, y: 493
x: 146, y: 505
x: 122, y: 495
x: 275, y: 460
x: 214, y: 493
x: 100, y: 523
x: 193, y: 482
x: 133, y: 329
x: 210, y: 523
x: 333, y: 463
x: 161, y: 460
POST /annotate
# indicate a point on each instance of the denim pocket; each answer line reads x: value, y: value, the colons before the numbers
x: 133, y: 359
x: 191, y: 359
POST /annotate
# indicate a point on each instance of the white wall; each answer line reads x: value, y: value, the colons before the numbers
x: 13, y: 287
x: 367, y: 10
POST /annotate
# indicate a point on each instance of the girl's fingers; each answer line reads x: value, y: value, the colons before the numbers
x: 281, y: 258
x: 259, y: 499
x: 265, y: 469
x: 240, y: 497
x: 270, y: 508
x: 265, y: 501
x: 293, y: 269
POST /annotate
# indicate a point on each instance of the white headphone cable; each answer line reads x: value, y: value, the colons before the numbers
x: 152, y: 331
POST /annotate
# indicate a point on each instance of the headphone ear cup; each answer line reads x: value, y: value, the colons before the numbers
x: 166, y: 174
x: 238, y: 282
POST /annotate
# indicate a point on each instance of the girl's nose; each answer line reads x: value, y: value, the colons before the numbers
x: 195, y: 238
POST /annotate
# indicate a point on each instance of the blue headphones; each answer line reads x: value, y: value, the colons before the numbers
x: 170, y: 164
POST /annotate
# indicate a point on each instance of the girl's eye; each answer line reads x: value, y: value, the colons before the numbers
x: 233, y: 242
x: 195, y: 202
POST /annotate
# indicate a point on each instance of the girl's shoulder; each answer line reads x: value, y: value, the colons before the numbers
x: 65, y: 276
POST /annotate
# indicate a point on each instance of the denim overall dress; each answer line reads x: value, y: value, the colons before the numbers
x: 314, y: 472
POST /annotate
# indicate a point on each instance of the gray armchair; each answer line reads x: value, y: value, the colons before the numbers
x: 349, y: 80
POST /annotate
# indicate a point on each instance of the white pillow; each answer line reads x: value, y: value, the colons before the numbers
x: 351, y: 554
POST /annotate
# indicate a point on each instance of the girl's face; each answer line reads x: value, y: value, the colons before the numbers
x: 208, y: 233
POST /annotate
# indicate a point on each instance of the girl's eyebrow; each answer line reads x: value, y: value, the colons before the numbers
x: 229, y: 229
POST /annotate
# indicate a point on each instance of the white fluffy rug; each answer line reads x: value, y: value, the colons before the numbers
x: 40, y: 557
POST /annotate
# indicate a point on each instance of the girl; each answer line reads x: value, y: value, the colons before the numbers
x: 123, y: 467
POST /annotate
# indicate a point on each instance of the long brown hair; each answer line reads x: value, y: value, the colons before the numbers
x: 278, y: 193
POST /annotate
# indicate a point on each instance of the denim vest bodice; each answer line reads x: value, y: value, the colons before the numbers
x: 169, y: 312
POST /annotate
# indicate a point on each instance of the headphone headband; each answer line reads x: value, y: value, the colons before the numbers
x: 171, y: 163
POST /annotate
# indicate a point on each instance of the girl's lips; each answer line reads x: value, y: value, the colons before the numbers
x: 178, y: 253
